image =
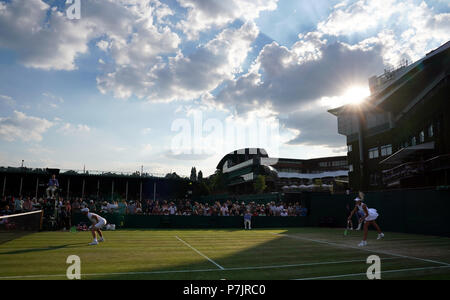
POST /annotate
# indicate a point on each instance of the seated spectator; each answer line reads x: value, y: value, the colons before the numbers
x: 92, y: 207
x: 131, y: 209
x: 68, y: 207
x: 18, y: 205
x: 111, y: 207
x: 28, y: 205
x: 76, y: 206
x: 5, y: 211
x: 298, y: 209
x: 224, y: 210
x: 104, y: 207
x: 156, y: 210
x: 138, y: 208
x: 172, y: 209
x: 122, y: 207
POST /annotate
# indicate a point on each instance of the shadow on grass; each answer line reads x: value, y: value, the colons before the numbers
x: 10, y: 235
x: 22, y: 251
x: 276, y: 258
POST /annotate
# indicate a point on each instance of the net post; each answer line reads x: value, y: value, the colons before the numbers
x: 41, y: 220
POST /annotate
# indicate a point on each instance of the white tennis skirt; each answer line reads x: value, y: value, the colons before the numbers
x: 101, y: 223
x: 373, y: 214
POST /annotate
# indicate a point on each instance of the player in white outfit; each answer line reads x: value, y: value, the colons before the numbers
x: 97, y: 224
x: 369, y: 216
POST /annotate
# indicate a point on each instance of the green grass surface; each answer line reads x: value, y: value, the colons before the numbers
x: 224, y: 254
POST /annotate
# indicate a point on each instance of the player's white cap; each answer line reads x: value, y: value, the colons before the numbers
x: 357, y: 199
x: 85, y: 210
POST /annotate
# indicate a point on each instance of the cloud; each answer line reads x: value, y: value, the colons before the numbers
x: 183, y: 77
x: 287, y: 80
x: 146, y: 150
x: 8, y: 100
x: 71, y: 129
x: 146, y: 131
x: 40, y: 36
x: 23, y: 127
x: 315, y: 127
x: 302, y: 81
x: 207, y: 14
x: 405, y: 29
x: 43, y: 37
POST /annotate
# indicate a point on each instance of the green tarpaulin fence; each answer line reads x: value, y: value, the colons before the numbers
x: 409, y: 211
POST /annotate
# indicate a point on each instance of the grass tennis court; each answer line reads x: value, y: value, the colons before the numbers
x: 299, y: 253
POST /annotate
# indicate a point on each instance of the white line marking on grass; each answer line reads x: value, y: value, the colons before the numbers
x: 364, y: 274
x: 364, y: 249
x: 219, y: 266
x: 303, y: 265
x: 189, y: 271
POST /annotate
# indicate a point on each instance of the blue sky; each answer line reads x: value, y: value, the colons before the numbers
x: 110, y: 90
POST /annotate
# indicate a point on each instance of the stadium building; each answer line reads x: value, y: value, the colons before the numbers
x: 95, y: 185
x: 242, y: 167
x: 399, y: 136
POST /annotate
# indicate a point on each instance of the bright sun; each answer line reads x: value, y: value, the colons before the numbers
x: 356, y: 94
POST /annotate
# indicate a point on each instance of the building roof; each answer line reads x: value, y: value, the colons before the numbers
x: 397, y: 80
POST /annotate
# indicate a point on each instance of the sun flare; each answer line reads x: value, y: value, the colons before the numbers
x: 356, y: 94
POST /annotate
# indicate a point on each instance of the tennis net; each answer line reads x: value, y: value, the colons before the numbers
x: 15, y: 225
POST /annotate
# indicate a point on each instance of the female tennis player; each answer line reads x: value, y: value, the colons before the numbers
x: 369, y: 216
x: 97, y: 224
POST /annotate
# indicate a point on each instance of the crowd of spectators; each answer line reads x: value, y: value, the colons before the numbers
x: 13, y: 205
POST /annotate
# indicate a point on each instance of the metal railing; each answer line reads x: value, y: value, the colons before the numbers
x: 416, y: 168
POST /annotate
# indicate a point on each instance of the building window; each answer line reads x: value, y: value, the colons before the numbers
x: 350, y: 168
x: 413, y: 141
x: 430, y: 131
x: 373, y: 153
x: 422, y: 136
x: 340, y: 163
x: 386, y: 150
x: 349, y: 148
x: 374, y: 179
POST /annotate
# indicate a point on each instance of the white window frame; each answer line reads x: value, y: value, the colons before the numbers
x: 387, y: 149
x: 430, y: 131
x: 372, y: 151
x: 422, y: 136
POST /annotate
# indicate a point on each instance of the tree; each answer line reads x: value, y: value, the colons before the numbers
x: 216, y: 182
x: 193, y: 174
x: 200, y: 176
x: 172, y: 176
x: 260, y: 184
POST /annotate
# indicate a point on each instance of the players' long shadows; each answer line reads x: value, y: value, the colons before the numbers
x: 22, y: 251
x: 7, y: 236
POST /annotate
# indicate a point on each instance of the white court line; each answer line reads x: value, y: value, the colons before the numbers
x: 304, y: 265
x: 382, y: 272
x: 219, y: 266
x: 364, y: 249
x: 189, y: 271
